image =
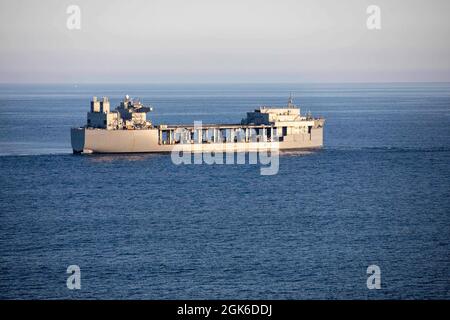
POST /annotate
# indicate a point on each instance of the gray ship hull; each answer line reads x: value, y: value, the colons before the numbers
x: 89, y: 140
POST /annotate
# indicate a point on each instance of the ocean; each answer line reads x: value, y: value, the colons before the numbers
x: 140, y: 227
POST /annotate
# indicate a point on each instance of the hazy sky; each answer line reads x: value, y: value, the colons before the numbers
x: 224, y: 41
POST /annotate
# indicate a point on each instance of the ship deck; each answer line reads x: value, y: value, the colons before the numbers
x: 212, y: 125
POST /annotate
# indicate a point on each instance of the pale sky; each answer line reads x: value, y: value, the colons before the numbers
x: 136, y: 41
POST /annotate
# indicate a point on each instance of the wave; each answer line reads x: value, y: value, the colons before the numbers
x: 389, y: 149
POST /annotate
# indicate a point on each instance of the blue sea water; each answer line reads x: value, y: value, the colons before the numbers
x: 140, y: 227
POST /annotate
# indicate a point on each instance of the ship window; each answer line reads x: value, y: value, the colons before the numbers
x: 284, y: 131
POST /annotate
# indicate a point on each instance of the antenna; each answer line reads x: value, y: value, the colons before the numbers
x: 290, y: 101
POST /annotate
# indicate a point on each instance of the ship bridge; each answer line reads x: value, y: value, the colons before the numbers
x: 130, y: 114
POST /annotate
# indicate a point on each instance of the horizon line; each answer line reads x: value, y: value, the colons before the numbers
x: 222, y: 82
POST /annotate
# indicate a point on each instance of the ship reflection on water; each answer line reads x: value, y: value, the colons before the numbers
x: 133, y: 157
x: 107, y: 158
x: 294, y: 153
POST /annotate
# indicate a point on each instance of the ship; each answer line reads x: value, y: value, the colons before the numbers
x: 126, y: 129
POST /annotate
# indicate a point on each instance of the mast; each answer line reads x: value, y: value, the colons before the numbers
x: 291, y: 101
